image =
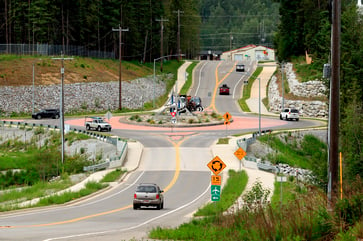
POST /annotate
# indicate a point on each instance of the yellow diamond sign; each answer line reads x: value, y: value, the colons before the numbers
x: 240, y: 153
x: 216, y: 165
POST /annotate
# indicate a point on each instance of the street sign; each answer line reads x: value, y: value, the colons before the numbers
x: 216, y: 165
x: 173, y: 114
x: 240, y: 153
x: 108, y: 115
x: 173, y: 120
x: 281, y: 178
x: 227, y: 116
x: 227, y: 122
x: 215, y: 192
x: 216, y: 180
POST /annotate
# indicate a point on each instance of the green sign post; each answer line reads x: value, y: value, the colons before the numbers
x: 216, y: 193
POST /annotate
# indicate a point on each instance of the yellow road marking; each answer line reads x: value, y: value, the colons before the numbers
x: 172, y: 182
x: 177, y: 164
x: 212, y: 104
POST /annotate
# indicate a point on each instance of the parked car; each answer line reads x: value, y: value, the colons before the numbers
x: 224, y: 90
x: 148, y: 194
x: 289, y: 114
x: 46, y: 113
x: 240, y: 68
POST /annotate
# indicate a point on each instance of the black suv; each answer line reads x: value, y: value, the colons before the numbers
x: 46, y: 113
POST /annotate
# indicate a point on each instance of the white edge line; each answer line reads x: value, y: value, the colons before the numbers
x: 130, y: 228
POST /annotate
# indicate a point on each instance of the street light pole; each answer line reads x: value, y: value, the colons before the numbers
x: 33, y: 92
x: 259, y: 106
x: 282, y: 82
x: 179, y: 55
x: 154, y: 85
x: 62, y: 102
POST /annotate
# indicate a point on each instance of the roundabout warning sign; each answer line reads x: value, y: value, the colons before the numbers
x: 216, y: 165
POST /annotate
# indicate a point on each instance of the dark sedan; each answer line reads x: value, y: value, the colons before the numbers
x: 46, y: 113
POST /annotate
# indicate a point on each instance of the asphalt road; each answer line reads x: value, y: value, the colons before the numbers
x: 175, y: 160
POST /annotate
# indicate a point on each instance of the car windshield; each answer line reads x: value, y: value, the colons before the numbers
x: 196, y: 101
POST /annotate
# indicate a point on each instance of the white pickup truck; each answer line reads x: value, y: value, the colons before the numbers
x: 97, y: 123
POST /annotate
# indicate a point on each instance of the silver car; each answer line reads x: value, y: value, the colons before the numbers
x: 148, y: 194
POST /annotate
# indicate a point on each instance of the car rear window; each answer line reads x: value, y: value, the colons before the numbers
x: 146, y: 189
x: 294, y: 111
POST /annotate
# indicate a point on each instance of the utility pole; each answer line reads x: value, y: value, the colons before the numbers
x: 120, y: 30
x: 178, y: 37
x: 282, y: 86
x: 62, y: 102
x: 333, y: 135
x: 161, y: 41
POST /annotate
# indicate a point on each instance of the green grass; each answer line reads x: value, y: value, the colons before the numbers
x: 200, y: 229
x: 247, y: 90
x: 234, y: 187
x: 189, y: 80
x: 37, y: 190
x: 91, y: 187
x: 223, y: 140
x: 295, y: 152
x: 113, y: 176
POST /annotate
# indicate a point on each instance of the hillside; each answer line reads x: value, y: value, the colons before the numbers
x: 18, y: 70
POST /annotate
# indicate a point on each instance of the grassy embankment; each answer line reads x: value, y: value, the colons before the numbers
x: 28, y: 166
x: 302, y: 215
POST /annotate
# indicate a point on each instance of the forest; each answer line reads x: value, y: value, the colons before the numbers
x: 305, y: 27
x: 151, y: 28
x: 147, y: 26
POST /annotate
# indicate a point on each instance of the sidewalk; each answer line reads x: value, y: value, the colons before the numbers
x: 260, y: 83
x: 225, y: 152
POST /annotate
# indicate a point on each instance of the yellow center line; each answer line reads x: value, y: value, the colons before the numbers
x: 172, y: 182
x: 212, y: 105
x: 70, y: 220
x: 177, y: 164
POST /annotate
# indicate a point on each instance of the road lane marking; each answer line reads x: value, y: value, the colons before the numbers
x: 172, y: 182
x: 218, y: 82
x: 136, y: 226
x: 177, y: 164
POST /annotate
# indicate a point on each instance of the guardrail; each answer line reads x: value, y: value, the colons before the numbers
x: 254, y: 162
x: 97, y: 167
x: 112, y: 140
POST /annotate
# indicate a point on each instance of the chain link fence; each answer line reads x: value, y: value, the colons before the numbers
x: 51, y: 50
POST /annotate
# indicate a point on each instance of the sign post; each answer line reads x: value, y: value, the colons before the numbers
x: 281, y: 179
x: 216, y: 165
x: 240, y: 154
x: 227, y: 118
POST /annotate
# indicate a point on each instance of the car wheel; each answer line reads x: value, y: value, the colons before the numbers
x: 162, y: 205
x: 158, y: 207
x: 99, y: 128
x: 87, y: 127
x: 136, y: 206
x: 297, y: 119
x: 281, y: 117
x: 39, y: 117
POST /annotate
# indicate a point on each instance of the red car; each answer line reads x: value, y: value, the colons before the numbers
x: 224, y: 90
